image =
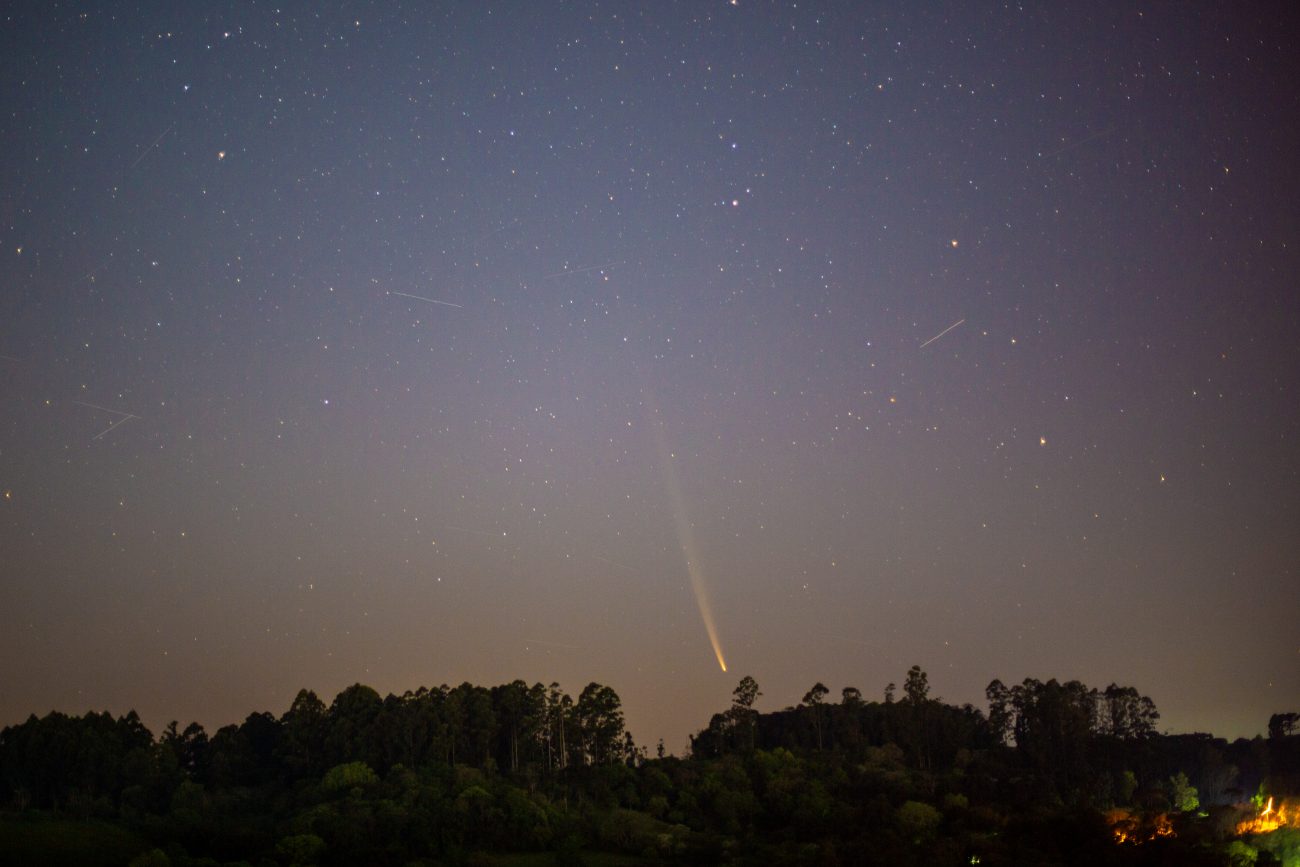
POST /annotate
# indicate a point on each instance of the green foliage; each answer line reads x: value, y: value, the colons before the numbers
x: 1242, y: 854
x: 1282, y: 844
x: 1259, y: 799
x: 918, y: 820
x: 1182, y: 794
x: 470, y: 775
x: 346, y: 777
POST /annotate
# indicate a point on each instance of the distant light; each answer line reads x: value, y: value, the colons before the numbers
x: 1042, y: 441
x: 221, y: 155
x: 954, y: 243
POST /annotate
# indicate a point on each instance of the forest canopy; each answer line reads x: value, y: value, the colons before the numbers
x: 1047, y: 772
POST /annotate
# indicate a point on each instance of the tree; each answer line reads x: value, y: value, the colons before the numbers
x: 918, y: 820
x: 745, y: 693
x: 189, y: 746
x: 1054, y: 724
x: 480, y: 722
x: 512, y: 701
x: 349, y: 776
x: 302, y: 742
x: 916, y: 689
x: 813, y: 701
x: 999, y: 698
x: 742, y: 718
x: 1282, y: 725
x: 349, y: 721
x: 599, y: 714
x: 1182, y: 794
x: 559, y: 707
x: 1125, y: 714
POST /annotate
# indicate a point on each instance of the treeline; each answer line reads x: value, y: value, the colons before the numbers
x: 96, y: 763
x: 1049, y: 773
x: 1065, y: 742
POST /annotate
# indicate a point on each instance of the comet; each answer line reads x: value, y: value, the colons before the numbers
x: 686, y: 537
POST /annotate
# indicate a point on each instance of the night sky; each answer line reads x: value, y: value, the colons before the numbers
x: 419, y: 343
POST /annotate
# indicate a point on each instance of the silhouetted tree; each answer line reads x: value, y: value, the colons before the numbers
x: 742, y: 714
x: 916, y: 688
x: 1283, y: 725
x: 812, y: 700
x: 599, y: 716
x: 1000, y: 715
x: 348, y: 724
x: 303, y: 730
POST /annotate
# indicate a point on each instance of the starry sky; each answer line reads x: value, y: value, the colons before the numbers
x: 419, y: 343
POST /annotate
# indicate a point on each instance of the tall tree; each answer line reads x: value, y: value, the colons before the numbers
x: 600, y: 720
x: 1124, y: 714
x: 349, y: 720
x: 999, y: 698
x: 302, y: 742
x: 743, y: 717
x: 511, y: 703
x: 745, y: 693
x: 558, y: 709
x: 916, y: 689
x: 812, y: 700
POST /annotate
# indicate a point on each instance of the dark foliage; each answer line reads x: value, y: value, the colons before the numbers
x: 437, y: 775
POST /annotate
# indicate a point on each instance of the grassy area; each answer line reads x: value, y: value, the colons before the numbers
x: 34, y: 840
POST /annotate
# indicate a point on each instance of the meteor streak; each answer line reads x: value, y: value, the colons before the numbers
x: 125, y: 416
x: 551, y: 644
x: 422, y: 298
x: 569, y: 271
x: 941, y: 333
x: 145, y: 152
x: 1080, y: 142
